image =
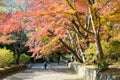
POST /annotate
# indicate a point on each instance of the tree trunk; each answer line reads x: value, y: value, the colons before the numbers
x: 80, y: 49
x: 99, y: 50
x: 69, y: 48
x: 73, y: 52
x: 17, y: 59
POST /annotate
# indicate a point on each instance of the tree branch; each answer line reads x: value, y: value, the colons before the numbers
x: 76, y: 27
x: 69, y: 48
x: 70, y: 5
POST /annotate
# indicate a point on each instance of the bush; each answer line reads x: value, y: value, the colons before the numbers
x: 24, y: 58
x: 90, y: 54
x: 115, y: 49
x: 111, y: 52
x: 6, y: 57
x: 119, y: 60
x: 102, y: 65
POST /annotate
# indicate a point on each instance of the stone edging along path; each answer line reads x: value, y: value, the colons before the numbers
x: 8, y: 70
x: 91, y: 73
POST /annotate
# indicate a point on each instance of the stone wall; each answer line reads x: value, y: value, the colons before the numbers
x: 90, y: 72
x: 8, y: 70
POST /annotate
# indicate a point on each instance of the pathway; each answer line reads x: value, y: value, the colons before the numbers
x: 37, y: 72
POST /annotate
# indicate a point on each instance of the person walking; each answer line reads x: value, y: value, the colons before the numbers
x: 45, y: 62
x: 58, y: 60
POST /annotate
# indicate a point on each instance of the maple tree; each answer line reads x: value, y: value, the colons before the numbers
x: 12, y: 31
x: 74, y: 23
x: 96, y: 14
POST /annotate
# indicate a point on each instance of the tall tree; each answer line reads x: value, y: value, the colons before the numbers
x: 80, y: 20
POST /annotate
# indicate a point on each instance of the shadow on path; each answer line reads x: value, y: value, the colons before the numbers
x: 37, y: 72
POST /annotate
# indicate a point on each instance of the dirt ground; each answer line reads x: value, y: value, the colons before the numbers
x: 37, y: 72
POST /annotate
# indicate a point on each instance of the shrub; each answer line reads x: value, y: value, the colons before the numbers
x: 6, y: 57
x: 24, y: 58
x: 102, y: 65
x: 115, y: 49
x: 111, y: 51
x: 119, y: 60
x: 90, y: 54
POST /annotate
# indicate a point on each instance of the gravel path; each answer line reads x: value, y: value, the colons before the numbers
x: 37, y: 72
